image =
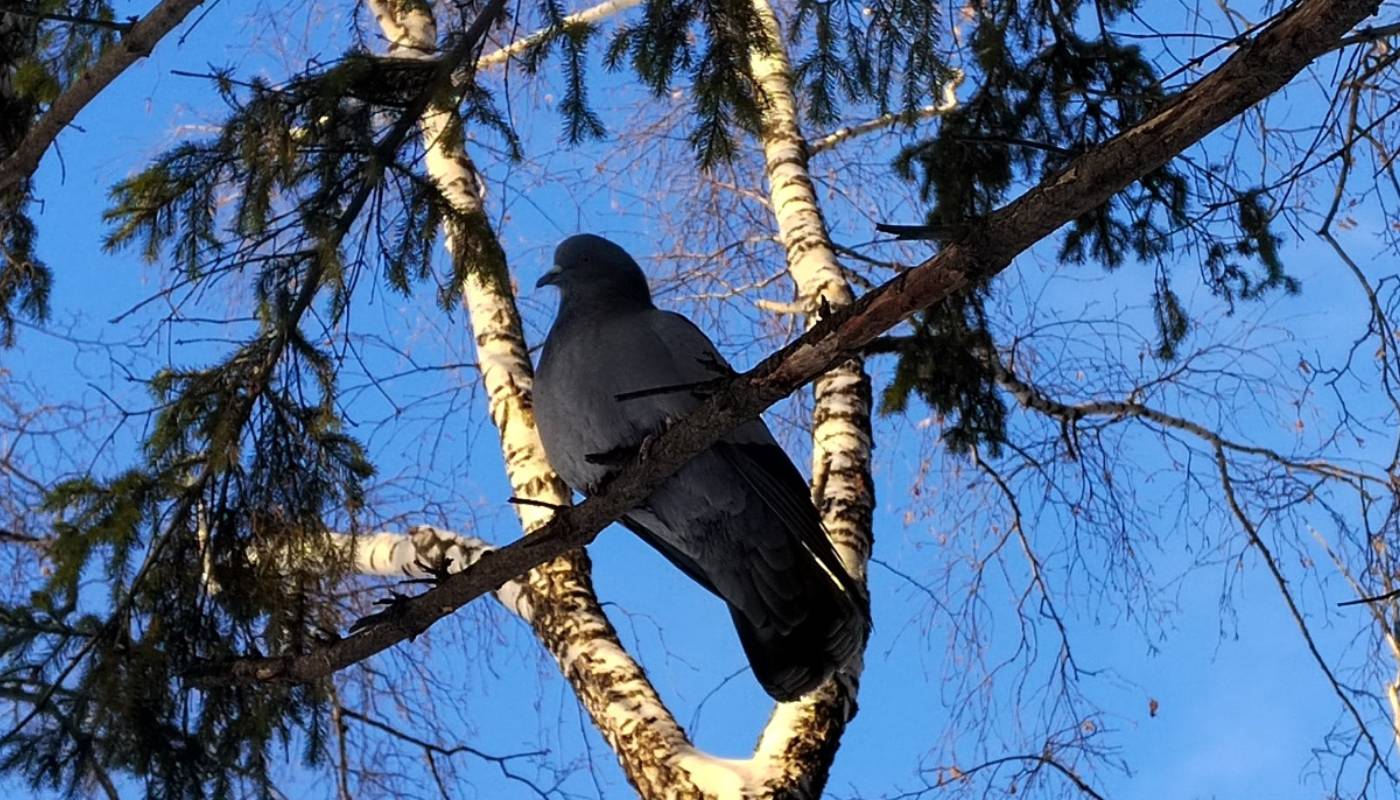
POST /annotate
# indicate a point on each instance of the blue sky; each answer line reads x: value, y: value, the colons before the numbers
x: 1241, y: 706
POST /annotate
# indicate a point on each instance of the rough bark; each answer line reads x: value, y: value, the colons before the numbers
x: 1253, y: 72
x: 800, y: 740
x: 134, y: 45
x: 556, y: 598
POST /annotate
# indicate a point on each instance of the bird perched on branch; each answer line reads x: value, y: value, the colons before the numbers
x: 738, y: 519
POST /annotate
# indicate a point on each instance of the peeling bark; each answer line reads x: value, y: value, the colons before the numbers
x: 800, y: 740
x: 557, y: 599
x: 653, y: 749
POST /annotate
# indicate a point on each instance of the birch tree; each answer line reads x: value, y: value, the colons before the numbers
x: 202, y: 598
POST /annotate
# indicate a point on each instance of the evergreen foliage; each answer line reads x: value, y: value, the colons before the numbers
x: 1050, y: 86
x: 36, y: 61
x: 212, y: 546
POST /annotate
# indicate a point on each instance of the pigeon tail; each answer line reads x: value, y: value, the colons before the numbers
x: 829, y: 638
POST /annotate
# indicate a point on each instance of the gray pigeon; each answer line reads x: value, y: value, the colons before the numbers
x: 739, y: 518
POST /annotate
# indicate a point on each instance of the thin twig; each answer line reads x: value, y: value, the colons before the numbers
x: 1227, y: 485
x: 1251, y: 73
x: 1380, y: 598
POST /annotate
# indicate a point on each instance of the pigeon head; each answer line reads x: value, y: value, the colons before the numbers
x: 589, y: 269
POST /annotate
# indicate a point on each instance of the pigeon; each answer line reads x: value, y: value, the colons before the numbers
x: 738, y: 519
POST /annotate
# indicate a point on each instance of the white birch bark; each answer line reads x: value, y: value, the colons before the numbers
x: 798, y: 744
x: 562, y: 608
x: 795, y: 751
x: 587, y: 16
x: 411, y: 555
x: 946, y: 103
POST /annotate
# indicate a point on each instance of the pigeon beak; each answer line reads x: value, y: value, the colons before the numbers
x: 550, y: 278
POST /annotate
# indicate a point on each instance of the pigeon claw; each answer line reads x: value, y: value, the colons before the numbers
x: 393, y: 607
x: 433, y: 573
x: 646, y: 448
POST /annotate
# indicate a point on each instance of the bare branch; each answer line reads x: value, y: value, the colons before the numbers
x: 1032, y: 398
x: 1045, y: 759
x: 1252, y: 73
x: 1370, y: 34
x: 947, y: 103
x: 1227, y: 485
x: 502, y: 762
x: 588, y: 16
x: 1380, y: 598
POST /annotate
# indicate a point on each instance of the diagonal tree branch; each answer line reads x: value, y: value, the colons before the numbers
x: 137, y: 43
x: 945, y: 104
x: 587, y: 16
x: 1256, y: 70
x: 556, y: 598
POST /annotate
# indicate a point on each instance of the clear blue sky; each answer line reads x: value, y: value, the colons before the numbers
x: 1241, y: 706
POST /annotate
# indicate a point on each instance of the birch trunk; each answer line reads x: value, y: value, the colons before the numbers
x: 800, y: 740
x: 557, y: 599
x: 797, y: 746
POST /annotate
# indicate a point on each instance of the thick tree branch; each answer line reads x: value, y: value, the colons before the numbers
x: 137, y: 43
x: 557, y: 598
x: 1256, y: 70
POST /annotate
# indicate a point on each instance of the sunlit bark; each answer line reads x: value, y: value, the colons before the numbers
x: 796, y: 750
x: 800, y: 740
x: 556, y: 599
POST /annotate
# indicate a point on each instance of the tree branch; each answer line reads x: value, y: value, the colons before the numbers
x: 1033, y: 398
x: 502, y: 762
x: 137, y: 43
x: 947, y: 103
x: 90, y: 22
x: 588, y: 16
x: 1259, y: 68
x: 1045, y: 759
